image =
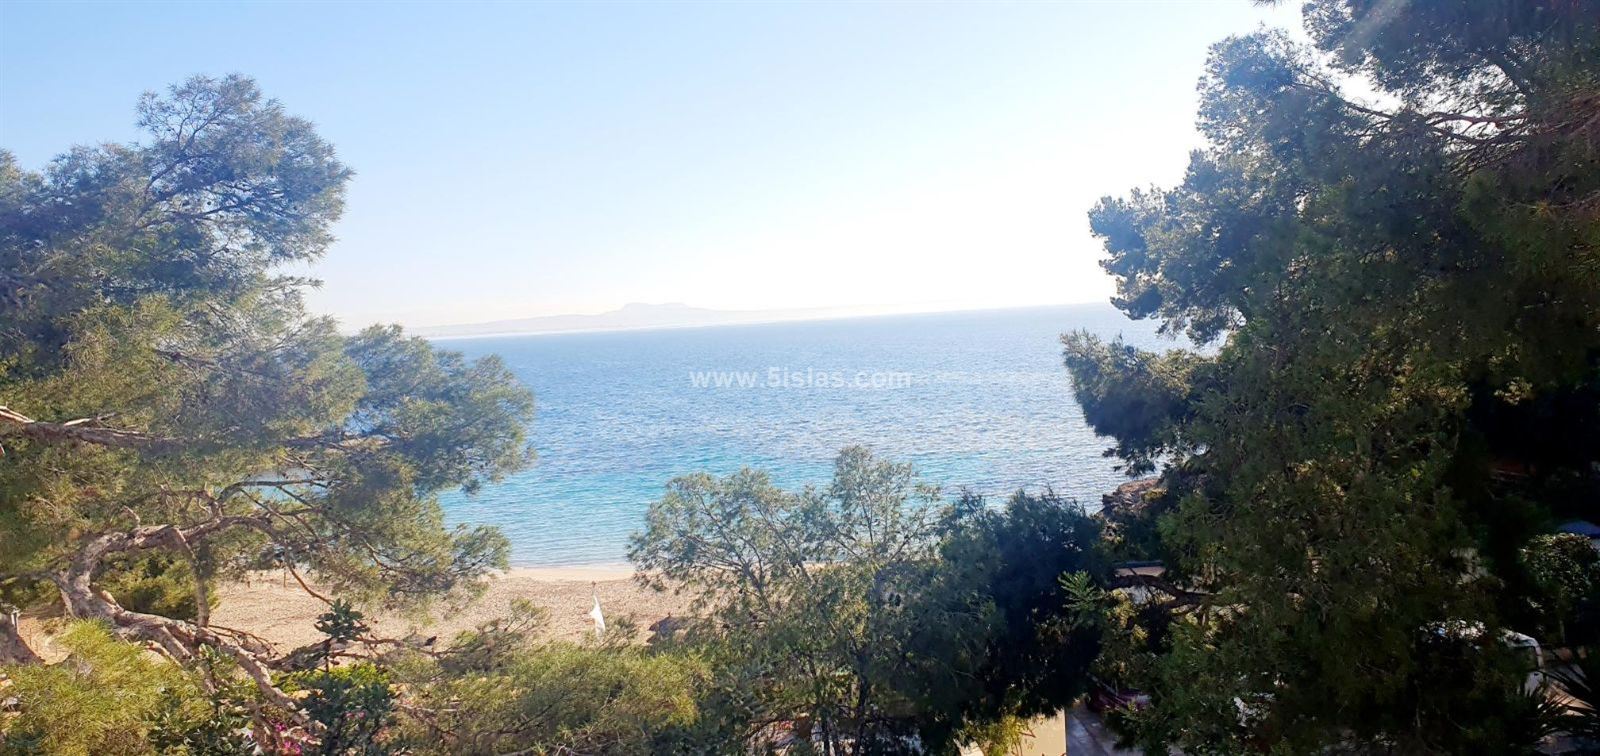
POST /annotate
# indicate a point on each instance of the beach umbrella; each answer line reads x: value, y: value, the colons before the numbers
x: 599, y: 617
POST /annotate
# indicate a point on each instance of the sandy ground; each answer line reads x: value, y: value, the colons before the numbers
x: 279, y: 611
x: 285, y: 614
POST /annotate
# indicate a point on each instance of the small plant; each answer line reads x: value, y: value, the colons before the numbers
x: 351, y: 703
x: 1582, y: 718
x: 1087, y: 603
x: 342, y: 623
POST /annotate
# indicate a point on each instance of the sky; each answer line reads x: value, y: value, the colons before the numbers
x: 526, y: 159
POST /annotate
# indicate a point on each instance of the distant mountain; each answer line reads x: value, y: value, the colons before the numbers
x: 633, y: 316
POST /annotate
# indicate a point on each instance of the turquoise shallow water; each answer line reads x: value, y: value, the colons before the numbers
x: 975, y: 399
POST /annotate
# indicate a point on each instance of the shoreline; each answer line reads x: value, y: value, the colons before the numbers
x: 600, y: 572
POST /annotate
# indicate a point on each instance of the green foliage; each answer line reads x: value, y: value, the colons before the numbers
x: 1578, y: 682
x: 173, y: 416
x: 1403, y: 392
x: 864, y: 617
x: 229, y: 186
x: 492, y: 645
x: 1565, y: 569
x: 341, y: 625
x: 112, y: 697
x: 145, y: 295
x: 155, y: 583
x: 1140, y: 399
x: 342, y: 622
x: 496, y: 690
x: 808, y: 591
x: 1087, y: 604
x: 352, y: 704
x: 1009, y: 616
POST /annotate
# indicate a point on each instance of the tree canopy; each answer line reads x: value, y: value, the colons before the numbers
x: 173, y: 417
x: 870, y: 617
x: 1388, y: 250
x: 167, y: 397
x: 1403, y: 294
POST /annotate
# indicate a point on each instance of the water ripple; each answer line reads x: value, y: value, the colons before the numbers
x: 983, y: 404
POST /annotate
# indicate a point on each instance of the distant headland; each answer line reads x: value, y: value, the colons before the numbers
x: 642, y: 316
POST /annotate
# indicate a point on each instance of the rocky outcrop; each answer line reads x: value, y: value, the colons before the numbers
x: 1131, y: 500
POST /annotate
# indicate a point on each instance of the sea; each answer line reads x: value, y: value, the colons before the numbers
x: 975, y: 400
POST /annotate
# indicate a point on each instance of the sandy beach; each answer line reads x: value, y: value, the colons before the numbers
x: 274, y: 607
x: 279, y: 611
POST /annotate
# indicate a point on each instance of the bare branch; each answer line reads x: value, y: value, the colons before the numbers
x: 83, y: 430
x: 303, y: 586
x: 88, y: 430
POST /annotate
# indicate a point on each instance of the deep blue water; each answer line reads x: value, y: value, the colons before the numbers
x: 974, y: 399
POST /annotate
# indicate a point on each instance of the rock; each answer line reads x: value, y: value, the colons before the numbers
x: 1131, y: 500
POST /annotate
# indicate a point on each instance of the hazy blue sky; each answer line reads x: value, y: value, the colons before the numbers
x: 523, y: 159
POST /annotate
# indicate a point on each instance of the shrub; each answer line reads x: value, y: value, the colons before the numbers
x: 352, y: 704
x: 110, y: 697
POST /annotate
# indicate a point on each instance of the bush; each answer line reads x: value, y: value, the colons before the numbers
x: 156, y: 584
x: 553, y: 698
x: 352, y: 704
x: 868, y: 615
x: 112, y: 697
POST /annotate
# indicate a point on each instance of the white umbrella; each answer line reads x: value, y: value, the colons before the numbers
x: 599, y: 616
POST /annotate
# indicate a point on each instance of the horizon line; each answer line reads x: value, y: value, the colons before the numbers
x: 689, y: 326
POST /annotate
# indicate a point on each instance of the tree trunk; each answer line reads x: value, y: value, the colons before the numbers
x: 179, y: 639
x: 13, y: 649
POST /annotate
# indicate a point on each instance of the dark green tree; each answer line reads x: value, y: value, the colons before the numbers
x: 868, y: 617
x: 165, y: 392
x: 1402, y: 294
x: 1000, y: 636
x: 1564, y: 570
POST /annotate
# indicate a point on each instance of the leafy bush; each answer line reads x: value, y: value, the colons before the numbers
x: 153, y: 584
x: 112, y: 697
x: 868, y: 616
x: 1581, y: 683
x: 1565, y: 569
x: 550, y: 698
x: 352, y: 704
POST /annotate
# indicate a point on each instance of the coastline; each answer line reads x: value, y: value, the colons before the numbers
x: 570, y: 572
